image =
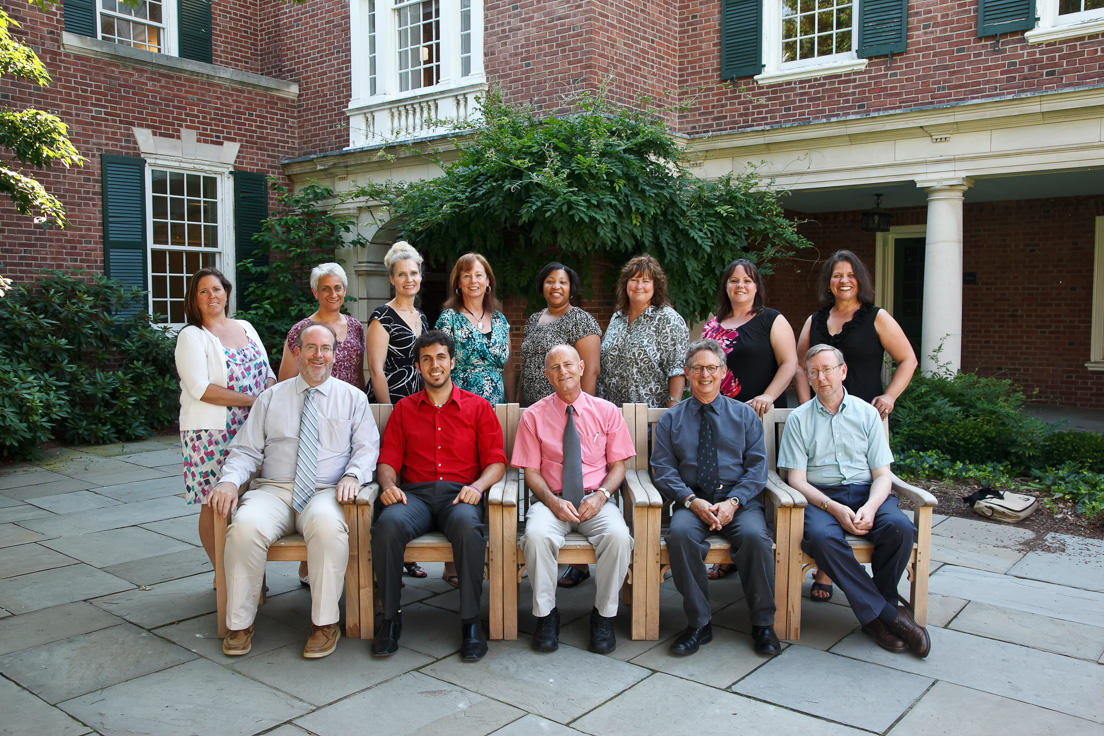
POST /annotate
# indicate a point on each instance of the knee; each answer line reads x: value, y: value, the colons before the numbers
x: 620, y: 538
x: 901, y: 529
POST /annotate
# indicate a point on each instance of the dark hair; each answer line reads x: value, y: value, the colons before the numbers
x: 192, y: 315
x: 463, y: 264
x: 299, y: 337
x: 866, y: 283
x: 723, y: 310
x: 647, y: 266
x: 433, y: 337
x: 573, y: 283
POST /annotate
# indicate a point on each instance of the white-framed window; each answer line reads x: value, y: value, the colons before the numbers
x: 1096, y: 338
x: 144, y: 25
x: 1062, y: 19
x: 189, y: 227
x: 807, y: 38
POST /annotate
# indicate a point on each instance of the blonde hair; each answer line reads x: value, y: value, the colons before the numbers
x: 401, y: 251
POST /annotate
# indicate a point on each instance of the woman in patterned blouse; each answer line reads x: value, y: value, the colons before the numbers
x: 328, y: 283
x: 646, y: 341
x: 481, y: 332
x: 558, y: 323
x: 394, y: 326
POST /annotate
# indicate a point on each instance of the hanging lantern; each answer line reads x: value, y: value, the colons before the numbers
x: 876, y: 220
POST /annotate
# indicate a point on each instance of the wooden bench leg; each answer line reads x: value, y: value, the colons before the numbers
x: 352, y: 575
x: 220, y: 575
x: 922, y: 568
x: 495, y: 609
x: 367, y: 592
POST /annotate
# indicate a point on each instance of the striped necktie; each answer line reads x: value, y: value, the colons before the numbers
x: 306, y: 462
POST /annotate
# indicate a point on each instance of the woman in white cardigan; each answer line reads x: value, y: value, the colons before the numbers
x: 223, y: 367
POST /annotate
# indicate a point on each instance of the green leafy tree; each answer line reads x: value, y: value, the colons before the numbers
x: 601, y: 183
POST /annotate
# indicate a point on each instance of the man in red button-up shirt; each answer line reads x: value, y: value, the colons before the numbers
x: 446, y: 444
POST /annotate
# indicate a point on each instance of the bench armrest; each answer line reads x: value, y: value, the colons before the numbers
x: 918, y: 496
x: 368, y: 494
x: 639, y: 489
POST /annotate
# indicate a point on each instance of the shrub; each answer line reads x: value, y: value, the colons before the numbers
x: 1084, y: 448
x: 1070, y: 481
x: 75, y: 366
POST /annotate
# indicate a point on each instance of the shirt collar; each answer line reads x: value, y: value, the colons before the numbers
x: 301, y: 386
x: 700, y: 408
x: 452, y: 399
x: 822, y: 410
x: 561, y: 405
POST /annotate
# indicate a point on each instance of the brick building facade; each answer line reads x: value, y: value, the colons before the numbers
x: 980, y: 123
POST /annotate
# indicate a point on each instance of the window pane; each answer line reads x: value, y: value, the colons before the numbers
x: 176, y: 183
x: 192, y: 184
x: 843, y: 42
x: 210, y: 187
x: 789, y: 51
x: 158, y: 181
x: 176, y: 209
x: 160, y: 233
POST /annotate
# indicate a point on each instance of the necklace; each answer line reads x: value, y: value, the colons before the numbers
x: 479, y: 322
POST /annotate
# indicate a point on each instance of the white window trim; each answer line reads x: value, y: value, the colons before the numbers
x: 1054, y: 27
x: 1096, y: 339
x: 168, y: 23
x: 776, y: 71
x: 387, y: 66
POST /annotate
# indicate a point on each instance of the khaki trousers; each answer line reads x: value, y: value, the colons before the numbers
x: 544, y: 536
x: 263, y: 516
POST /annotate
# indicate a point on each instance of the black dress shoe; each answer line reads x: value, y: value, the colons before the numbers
x: 573, y: 577
x: 765, y: 640
x: 473, y: 642
x: 547, y: 636
x: 386, y: 641
x: 885, y: 638
x: 602, y: 639
x: 915, y: 636
x: 692, y: 638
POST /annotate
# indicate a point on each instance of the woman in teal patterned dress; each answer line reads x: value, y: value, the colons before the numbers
x: 481, y: 332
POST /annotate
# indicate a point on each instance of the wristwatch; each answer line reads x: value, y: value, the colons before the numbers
x: 735, y: 502
x: 603, y: 490
x: 689, y: 500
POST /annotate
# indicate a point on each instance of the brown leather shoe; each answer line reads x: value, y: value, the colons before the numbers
x: 237, y: 643
x: 885, y: 638
x: 322, y: 641
x: 915, y: 636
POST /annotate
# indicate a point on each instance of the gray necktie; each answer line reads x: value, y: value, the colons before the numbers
x: 572, y: 461
x: 306, y: 462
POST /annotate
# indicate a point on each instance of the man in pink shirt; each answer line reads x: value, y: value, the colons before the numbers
x: 573, y: 448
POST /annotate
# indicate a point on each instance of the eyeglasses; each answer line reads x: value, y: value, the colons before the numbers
x: 822, y: 371
x: 697, y: 370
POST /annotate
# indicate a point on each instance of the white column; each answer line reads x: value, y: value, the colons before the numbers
x: 943, y: 275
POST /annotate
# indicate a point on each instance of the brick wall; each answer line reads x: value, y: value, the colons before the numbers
x: 1028, y: 318
x: 945, y: 62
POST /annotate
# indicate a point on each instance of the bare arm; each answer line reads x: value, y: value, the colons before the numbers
x: 675, y: 387
x: 289, y: 364
x: 801, y: 385
x: 785, y: 354
x: 377, y: 342
x: 508, y: 381
x: 221, y: 396
x: 472, y: 492
x: 389, y: 492
x: 895, y: 342
x: 590, y: 350
x: 880, y: 487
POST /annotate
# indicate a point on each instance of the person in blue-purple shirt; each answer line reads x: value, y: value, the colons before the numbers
x: 709, y: 458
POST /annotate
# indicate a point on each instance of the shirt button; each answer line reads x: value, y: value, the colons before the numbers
x: 438, y: 465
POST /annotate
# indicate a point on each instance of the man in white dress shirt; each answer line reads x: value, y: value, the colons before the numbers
x: 315, y: 443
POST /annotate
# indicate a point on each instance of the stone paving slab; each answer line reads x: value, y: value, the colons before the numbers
x: 52, y: 624
x: 163, y: 456
x: 1077, y: 566
x: 797, y: 679
x: 53, y: 488
x: 951, y: 709
x: 162, y: 604
x: 1032, y: 596
x: 559, y: 686
x: 577, y: 633
x: 32, y: 717
x: 159, y: 569
x: 6, y: 502
x: 21, y: 512
x: 719, y: 663
x: 1048, y: 680
x: 49, y: 588
x: 77, y: 464
x: 349, y: 669
x: 430, y: 630
x: 13, y: 534
x: 183, y: 701
x: 114, y: 517
x: 27, y: 558
x: 1031, y: 630
x: 116, y: 546
x: 412, y: 704
x: 996, y: 533
x: 144, y: 490
x: 288, y: 730
x: 968, y: 553
x: 669, y: 705
x: 65, y: 669
x: 73, y: 502
x: 151, y: 444
x: 532, y: 725
x: 184, y: 528
x: 29, y: 476
x: 200, y: 635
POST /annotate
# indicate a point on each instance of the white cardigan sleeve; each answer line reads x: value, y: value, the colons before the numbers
x: 192, y: 361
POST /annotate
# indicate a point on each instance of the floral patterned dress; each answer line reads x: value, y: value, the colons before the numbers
x: 205, y: 449
x: 479, y: 359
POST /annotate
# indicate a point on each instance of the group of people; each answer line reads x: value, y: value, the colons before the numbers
x: 311, y: 442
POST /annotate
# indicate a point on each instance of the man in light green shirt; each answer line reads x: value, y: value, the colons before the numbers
x: 838, y: 458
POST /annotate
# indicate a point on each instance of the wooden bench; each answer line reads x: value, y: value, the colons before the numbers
x: 919, y: 564
x: 640, y: 508
x: 784, y: 512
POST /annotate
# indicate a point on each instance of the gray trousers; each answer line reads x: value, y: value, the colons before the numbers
x: 429, y: 506
x: 752, y: 552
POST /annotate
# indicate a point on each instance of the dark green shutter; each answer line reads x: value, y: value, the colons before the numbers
x: 741, y: 38
x: 1004, y: 16
x: 195, y: 30
x: 124, y: 222
x: 883, y: 26
x: 250, y: 211
x: 80, y: 17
